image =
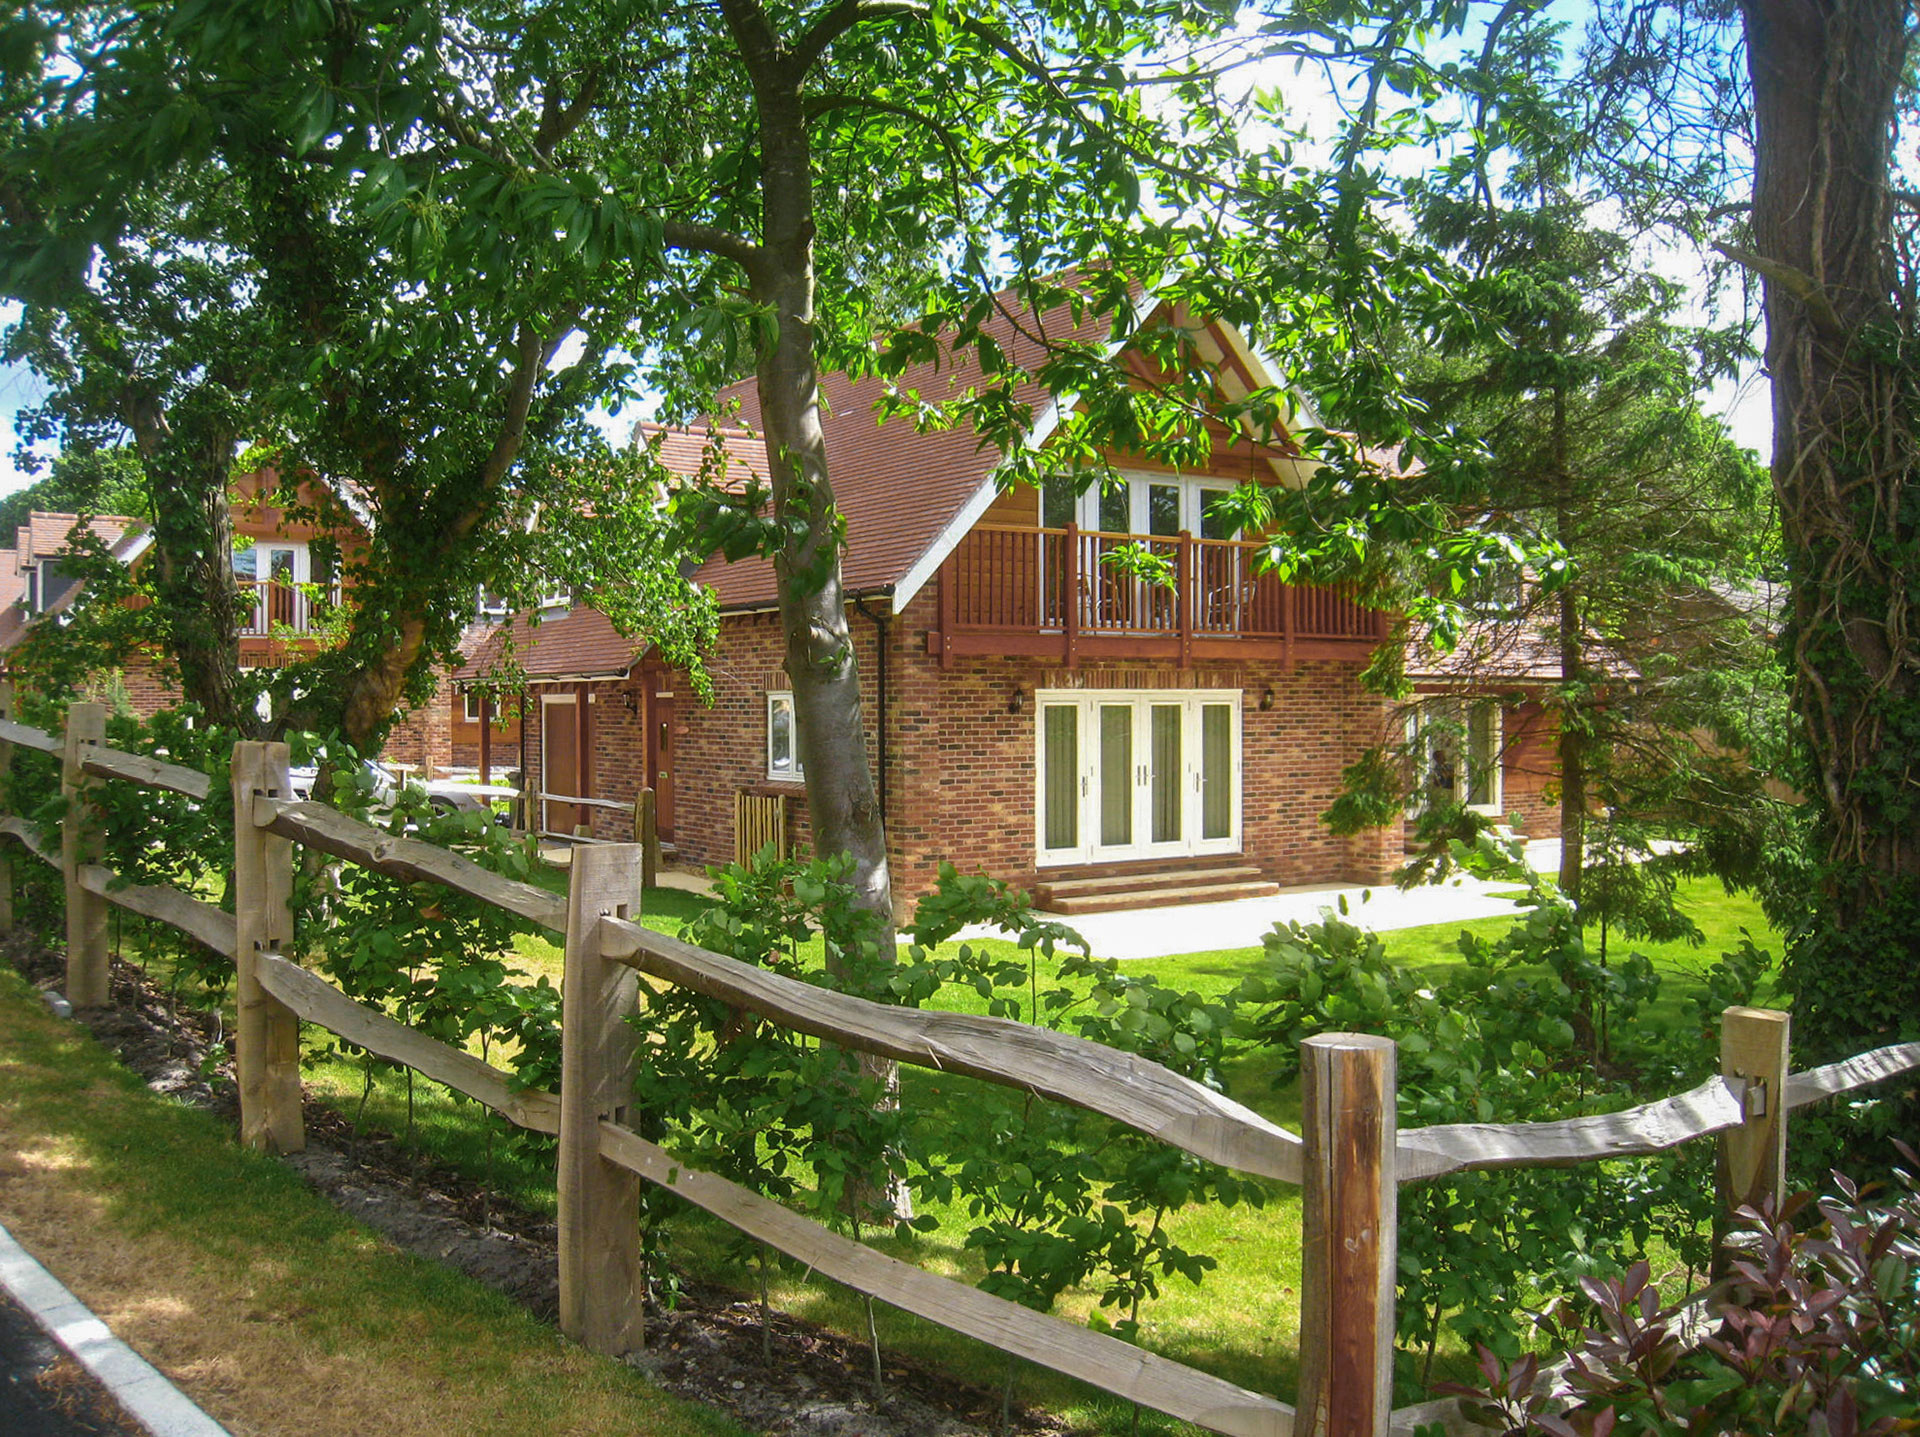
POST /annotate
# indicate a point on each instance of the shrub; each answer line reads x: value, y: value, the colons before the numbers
x: 1819, y: 1334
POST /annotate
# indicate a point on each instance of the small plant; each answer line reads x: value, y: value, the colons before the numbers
x: 1819, y: 1335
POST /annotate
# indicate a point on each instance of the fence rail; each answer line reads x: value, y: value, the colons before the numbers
x: 1349, y: 1163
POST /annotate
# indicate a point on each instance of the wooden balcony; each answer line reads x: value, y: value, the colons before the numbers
x: 1052, y: 593
x: 278, y: 607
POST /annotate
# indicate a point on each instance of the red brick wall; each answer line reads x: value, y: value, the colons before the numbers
x: 1530, y: 769
x: 961, y: 770
x: 422, y: 736
x: 149, y: 687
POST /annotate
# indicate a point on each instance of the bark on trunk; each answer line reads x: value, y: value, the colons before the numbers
x: 1826, y: 79
x: 841, y: 801
x: 196, y: 592
x: 1573, y: 751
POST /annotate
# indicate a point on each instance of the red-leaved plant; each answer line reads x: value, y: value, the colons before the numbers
x: 1819, y: 1334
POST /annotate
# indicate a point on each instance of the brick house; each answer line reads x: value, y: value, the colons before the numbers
x: 1031, y: 713
x: 286, y: 570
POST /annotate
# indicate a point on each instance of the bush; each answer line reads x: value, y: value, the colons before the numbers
x: 1514, y: 1034
x: 1819, y: 1334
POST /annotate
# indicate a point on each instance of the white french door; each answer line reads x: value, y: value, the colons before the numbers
x: 1137, y: 774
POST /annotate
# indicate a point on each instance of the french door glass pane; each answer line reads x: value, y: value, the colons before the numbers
x: 1214, y: 523
x: 1164, y: 727
x: 1116, y: 508
x: 1163, y: 509
x: 1060, y: 727
x: 1116, y: 774
x: 1216, y: 770
x: 1482, y: 754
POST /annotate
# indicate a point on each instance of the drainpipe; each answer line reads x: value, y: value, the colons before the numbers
x: 880, y: 680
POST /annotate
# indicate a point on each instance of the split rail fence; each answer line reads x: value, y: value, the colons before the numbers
x: 1349, y: 1161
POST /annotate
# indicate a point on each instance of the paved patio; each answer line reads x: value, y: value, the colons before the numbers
x: 1208, y: 927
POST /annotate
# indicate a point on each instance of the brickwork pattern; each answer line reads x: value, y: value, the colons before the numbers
x: 961, y: 770
x: 1530, y: 769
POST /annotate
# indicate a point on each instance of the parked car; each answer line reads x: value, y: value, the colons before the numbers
x: 385, y: 783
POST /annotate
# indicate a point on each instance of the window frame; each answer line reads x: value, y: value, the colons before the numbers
x: 1466, y: 715
x: 792, y: 771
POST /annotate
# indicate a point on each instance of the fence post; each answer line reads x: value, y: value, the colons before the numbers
x: 88, y: 977
x: 267, y: 1035
x: 646, y: 833
x: 1753, y: 1157
x: 6, y: 803
x: 601, y: 1283
x: 1349, y: 1212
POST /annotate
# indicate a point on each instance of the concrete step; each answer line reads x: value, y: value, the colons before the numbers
x: 1123, y: 900
x: 1142, y: 880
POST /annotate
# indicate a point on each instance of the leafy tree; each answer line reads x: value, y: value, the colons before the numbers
x: 1589, y: 400
x: 1832, y: 242
x: 142, y: 331
x: 101, y: 481
x: 1770, y: 131
x: 204, y: 266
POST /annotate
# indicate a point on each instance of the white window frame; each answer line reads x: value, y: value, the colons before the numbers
x: 791, y: 771
x: 1465, y: 713
x: 1194, y: 494
x: 1087, y: 703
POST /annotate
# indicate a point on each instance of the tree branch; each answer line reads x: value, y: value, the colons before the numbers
x: 1796, y: 282
x: 709, y: 239
x: 840, y: 17
x: 557, y: 120
x: 956, y: 157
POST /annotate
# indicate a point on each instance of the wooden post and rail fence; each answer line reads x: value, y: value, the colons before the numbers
x: 1350, y: 1162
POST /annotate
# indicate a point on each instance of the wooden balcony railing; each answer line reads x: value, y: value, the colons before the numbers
x: 1060, y: 586
x: 279, y: 607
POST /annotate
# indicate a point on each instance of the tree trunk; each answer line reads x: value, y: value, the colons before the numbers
x: 195, y: 589
x: 1573, y: 749
x: 841, y: 801
x: 1826, y: 81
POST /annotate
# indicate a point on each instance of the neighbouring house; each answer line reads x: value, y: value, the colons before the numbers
x: 1031, y: 713
x: 286, y: 569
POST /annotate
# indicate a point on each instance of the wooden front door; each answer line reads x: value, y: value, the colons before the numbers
x: 559, y: 764
x: 660, y: 763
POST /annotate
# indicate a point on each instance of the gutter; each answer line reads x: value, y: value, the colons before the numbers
x: 880, y: 622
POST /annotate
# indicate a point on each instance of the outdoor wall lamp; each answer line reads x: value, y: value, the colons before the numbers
x: 1266, y: 700
x: 1016, y: 701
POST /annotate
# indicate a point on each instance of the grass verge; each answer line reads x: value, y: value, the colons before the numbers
x: 276, y: 1314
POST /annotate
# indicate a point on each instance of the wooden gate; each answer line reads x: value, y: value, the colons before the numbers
x: 758, y: 819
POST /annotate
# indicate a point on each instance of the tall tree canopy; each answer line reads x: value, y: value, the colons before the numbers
x: 208, y: 263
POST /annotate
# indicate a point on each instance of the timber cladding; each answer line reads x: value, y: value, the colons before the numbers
x: 961, y: 770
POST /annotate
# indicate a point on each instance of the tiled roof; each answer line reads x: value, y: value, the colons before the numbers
x: 578, y: 644
x: 47, y: 533
x: 898, y: 488
x: 739, y: 455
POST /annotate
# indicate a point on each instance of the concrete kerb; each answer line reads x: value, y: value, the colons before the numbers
x: 142, y: 1391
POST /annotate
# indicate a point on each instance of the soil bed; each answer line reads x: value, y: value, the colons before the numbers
x: 708, y: 1346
